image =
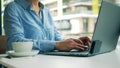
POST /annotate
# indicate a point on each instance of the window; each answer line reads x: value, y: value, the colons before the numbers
x: 3, y: 4
x: 71, y: 12
x: 85, y: 24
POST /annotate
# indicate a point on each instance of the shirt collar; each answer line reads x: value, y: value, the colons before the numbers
x: 41, y: 5
x: 27, y: 5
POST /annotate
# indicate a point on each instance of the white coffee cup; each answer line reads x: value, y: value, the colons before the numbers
x: 22, y: 46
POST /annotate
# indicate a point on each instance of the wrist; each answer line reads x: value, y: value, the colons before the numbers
x: 57, y: 44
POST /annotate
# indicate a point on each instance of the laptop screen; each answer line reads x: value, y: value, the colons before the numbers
x: 107, y: 27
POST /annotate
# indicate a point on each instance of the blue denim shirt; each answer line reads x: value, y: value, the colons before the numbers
x: 22, y: 24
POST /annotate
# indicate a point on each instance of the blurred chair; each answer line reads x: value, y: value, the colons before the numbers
x: 2, y: 44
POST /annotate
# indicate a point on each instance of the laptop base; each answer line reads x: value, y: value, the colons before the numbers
x: 79, y: 54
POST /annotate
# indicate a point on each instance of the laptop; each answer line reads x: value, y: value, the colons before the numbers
x: 106, y: 33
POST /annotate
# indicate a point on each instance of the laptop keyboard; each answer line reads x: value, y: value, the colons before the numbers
x: 71, y: 53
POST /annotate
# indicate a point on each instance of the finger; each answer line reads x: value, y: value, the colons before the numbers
x: 85, y: 39
x: 77, y: 47
x: 80, y: 47
x: 83, y: 46
x: 78, y: 41
x: 87, y: 43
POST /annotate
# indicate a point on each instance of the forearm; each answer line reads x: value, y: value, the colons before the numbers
x: 41, y: 45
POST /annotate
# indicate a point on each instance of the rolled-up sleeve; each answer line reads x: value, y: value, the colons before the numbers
x: 14, y: 31
x: 57, y: 35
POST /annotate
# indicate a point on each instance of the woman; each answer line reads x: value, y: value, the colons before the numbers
x: 30, y: 21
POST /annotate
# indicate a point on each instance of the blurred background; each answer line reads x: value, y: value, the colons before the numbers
x: 73, y: 18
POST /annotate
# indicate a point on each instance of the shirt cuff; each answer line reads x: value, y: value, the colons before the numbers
x: 44, y: 45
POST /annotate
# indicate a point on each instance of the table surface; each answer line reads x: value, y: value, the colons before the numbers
x: 107, y: 60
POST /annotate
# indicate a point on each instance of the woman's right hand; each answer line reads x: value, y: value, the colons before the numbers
x: 70, y: 44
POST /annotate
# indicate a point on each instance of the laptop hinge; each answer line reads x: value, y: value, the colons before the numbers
x: 95, y: 46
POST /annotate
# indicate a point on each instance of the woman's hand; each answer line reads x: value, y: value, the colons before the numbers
x: 86, y: 41
x: 70, y: 44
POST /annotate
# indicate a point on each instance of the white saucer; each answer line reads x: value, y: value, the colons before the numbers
x: 22, y: 54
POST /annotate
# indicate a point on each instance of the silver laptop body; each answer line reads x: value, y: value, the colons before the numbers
x: 106, y: 32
